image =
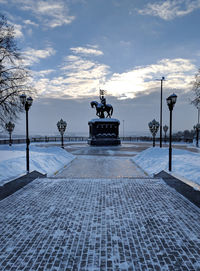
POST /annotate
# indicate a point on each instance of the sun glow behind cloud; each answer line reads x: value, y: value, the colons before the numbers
x: 179, y: 74
x: 80, y: 76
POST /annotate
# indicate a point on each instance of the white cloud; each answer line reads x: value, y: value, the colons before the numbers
x: 82, y: 78
x: 18, y: 30
x: 179, y: 73
x: 51, y: 13
x: 170, y: 9
x: 79, y: 78
x: 32, y: 56
x: 29, y: 22
x: 86, y: 51
x: 43, y: 73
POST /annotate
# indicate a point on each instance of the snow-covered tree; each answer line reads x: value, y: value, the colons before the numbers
x: 14, y: 77
x: 196, y: 89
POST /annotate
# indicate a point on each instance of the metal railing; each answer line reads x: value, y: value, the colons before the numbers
x: 83, y: 138
x: 44, y: 139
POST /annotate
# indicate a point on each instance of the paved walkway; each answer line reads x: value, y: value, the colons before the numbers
x: 101, y: 167
x: 99, y: 221
x: 102, y: 224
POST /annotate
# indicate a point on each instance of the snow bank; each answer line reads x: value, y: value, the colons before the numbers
x: 184, y: 163
x: 46, y: 160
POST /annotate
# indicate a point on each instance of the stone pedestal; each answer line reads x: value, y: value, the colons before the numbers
x: 103, y: 132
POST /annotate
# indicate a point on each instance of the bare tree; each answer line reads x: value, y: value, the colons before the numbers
x: 196, y: 89
x: 14, y: 77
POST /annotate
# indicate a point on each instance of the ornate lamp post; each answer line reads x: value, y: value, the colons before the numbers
x: 197, y: 128
x: 171, y: 100
x: 26, y: 102
x: 10, y: 127
x: 165, y: 129
x: 153, y: 127
x: 161, y: 94
x: 61, y: 128
x: 123, y: 129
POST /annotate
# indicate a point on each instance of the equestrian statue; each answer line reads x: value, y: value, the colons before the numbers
x: 102, y: 106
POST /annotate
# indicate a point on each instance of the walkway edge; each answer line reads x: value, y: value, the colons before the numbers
x: 188, y: 191
x: 11, y: 187
x: 140, y: 168
x: 64, y: 167
x: 190, y: 183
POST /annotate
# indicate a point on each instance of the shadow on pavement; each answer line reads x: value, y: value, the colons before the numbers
x: 11, y: 187
x: 187, y: 191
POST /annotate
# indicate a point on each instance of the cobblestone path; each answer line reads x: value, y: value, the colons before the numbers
x: 103, y: 224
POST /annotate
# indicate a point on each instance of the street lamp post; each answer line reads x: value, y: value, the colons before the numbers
x: 26, y: 102
x: 123, y: 129
x: 171, y: 100
x: 197, y: 128
x: 153, y: 127
x: 61, y: 128
x: 161, y: 95
x: 10, y: 127
x: 165, y: 129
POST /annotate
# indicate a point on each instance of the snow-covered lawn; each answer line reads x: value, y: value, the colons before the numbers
x: 184, y: 163
x: 45, y: 160
x: 51, y: 159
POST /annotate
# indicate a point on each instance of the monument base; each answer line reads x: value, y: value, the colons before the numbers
x: 104, y: 142
x: 104, y: 132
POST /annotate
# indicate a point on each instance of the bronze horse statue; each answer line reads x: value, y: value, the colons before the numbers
x: 100, y: 109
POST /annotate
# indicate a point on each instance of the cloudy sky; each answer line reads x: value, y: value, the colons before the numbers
x: 75, y: 47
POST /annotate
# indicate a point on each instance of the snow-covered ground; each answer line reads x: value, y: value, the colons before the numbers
x: 51, y: 159
x: 45, y: 160
x: 184, y: 163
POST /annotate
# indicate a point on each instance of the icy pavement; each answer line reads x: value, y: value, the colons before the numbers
x: 88, y: 166
x: 102, y: 162
x: 102, y: 224
x: 125, y: 149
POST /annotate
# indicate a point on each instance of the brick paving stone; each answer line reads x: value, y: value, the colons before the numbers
x: 99, y: 224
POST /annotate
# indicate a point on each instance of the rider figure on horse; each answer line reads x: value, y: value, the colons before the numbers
x: 103, y: 101
x: 102, y: 107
